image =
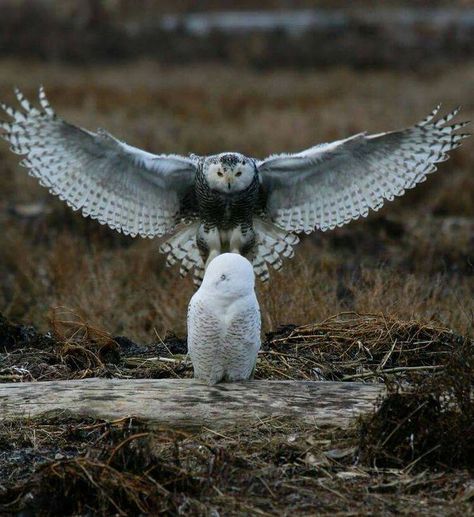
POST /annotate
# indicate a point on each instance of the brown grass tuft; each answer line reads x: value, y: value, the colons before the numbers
x: 431, y: 423
x: 357, y: 347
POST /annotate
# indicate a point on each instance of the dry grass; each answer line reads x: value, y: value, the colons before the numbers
x: 347, y: 347
x: 61, y: 465
x: 357, y: 347
x: 413, y: 261
x: 408, y: 457
x: 429, y: 425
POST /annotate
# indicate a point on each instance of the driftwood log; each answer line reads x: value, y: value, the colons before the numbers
x: 187, y: 403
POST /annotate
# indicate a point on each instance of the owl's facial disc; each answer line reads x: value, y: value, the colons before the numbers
x: 229, y: 172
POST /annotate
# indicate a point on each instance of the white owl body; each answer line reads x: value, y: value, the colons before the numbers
x: 224, y: 322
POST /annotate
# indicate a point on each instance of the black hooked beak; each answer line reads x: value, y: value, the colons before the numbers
x: 228, y: 185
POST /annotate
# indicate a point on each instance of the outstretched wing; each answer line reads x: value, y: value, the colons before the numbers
x: 130, y: 190
x: 331, y: 184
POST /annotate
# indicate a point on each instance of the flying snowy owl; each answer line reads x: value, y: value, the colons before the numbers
x: 226, y: 202
x: 224, y: 321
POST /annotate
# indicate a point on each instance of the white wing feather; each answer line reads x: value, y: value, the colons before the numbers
x: 128, y: 189
x: 330, y: 184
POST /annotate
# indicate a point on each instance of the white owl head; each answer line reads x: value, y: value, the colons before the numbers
x: 229, y: 275
x: 229, y: 172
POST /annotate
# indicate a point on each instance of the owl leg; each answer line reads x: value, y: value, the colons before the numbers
x: 209, y: 243
x: 242, y: 240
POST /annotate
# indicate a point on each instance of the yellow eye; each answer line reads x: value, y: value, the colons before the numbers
x: 238, y: 173
x: 220, y: 173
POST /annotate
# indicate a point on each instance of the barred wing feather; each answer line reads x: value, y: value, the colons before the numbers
x: 128, y: 189
x: 331, y: 184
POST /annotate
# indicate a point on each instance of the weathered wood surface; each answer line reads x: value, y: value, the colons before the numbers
x: 189, y: 403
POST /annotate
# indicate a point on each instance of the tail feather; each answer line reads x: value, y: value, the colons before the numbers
x: 182, y: 247
x: 272, y: 244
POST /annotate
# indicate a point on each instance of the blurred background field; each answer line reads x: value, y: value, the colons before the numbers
x: 412, y: 259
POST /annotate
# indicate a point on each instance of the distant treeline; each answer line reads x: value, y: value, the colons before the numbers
x: 389, y: 36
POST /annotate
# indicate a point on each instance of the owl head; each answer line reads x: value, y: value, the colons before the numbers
x: 229, y: 172
x: 229, y: 275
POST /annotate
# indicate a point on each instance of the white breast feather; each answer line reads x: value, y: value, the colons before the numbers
x: 223, y: 340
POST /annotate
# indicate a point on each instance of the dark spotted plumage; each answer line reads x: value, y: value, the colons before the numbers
x: 207, y: 205
x: 226, y: 211
x: 229, y: 160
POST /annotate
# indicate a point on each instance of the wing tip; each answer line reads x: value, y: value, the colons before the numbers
x: 8, y: 110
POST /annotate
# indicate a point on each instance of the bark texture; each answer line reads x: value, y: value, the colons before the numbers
x: 188, y: 403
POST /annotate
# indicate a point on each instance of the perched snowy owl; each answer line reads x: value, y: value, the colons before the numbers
x: 227, y: 202
x: 224, y: 321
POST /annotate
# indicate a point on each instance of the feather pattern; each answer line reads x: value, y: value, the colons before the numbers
x: 227, y: 201
x: 128, y: 189
x: 182, y: 248
x: 271, y: 245
x: 224, y: 322
x: 331, y: 184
